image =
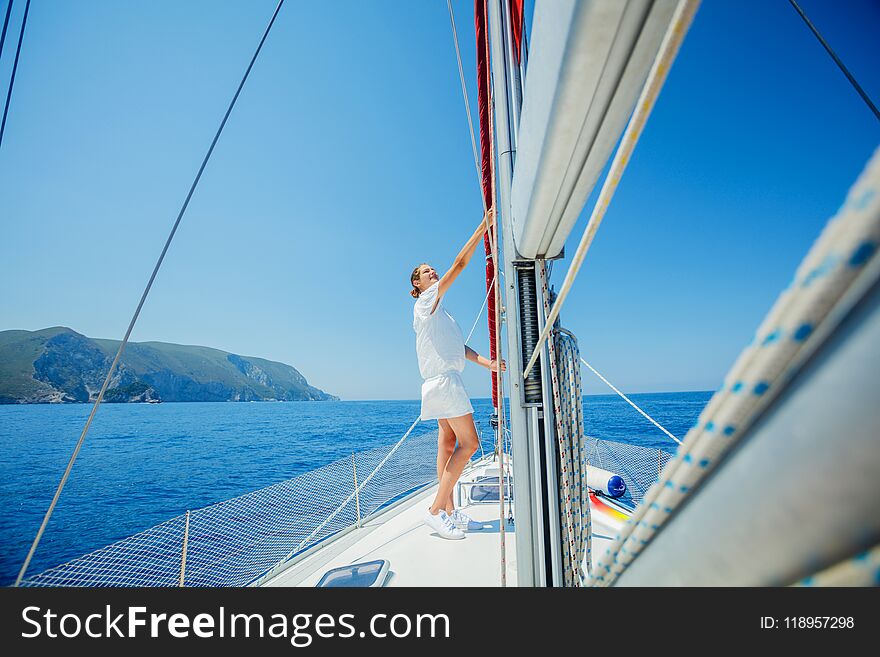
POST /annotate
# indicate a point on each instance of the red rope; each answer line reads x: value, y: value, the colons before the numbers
x: 484, y: 101
x: 516, y: 25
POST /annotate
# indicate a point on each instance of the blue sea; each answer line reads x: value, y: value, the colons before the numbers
x: 145, y: 463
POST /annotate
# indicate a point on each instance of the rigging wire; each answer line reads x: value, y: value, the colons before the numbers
x: 480, y: 314
x: 630, y: 402
x: 675, y: 33
x: 837, y: 60
x: 27, y: 6
x: 494, y: 251
x: 5, y: 25
x: 493, y: 248
x: 122, y: 344
x: 467, y: 105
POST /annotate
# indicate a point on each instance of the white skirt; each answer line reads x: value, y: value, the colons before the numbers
x: 444, y: 396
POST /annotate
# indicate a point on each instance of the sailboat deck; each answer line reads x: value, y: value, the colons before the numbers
x: 417, y: 555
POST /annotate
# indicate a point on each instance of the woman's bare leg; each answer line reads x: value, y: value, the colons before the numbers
x: 468, y: 442
x: 445, y: 447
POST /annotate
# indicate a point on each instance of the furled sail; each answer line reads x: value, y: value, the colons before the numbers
x: 589, y: 62
x: 487, y: 169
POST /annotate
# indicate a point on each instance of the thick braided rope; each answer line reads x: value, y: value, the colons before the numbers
x: 570, y: 378
x: 561, y: 413
x: 805, y: 310
x: 861, y: 570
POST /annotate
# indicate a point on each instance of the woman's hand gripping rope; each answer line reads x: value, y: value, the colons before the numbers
x: 464, y: 256
x: 489, y: 218
x: 493, y: 365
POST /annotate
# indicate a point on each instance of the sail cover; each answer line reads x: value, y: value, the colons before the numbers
x: 588, y: 63
x: 516, y: 27
x: 487, y: 169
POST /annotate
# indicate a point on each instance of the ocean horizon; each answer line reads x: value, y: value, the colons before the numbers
x: 142, y: 464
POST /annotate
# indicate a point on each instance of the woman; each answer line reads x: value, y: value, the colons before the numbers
x: 442, y: 353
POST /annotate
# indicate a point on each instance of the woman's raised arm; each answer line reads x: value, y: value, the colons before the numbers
x: 464, y: 256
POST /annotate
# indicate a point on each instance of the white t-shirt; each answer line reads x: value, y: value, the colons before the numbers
x: 439, y: 342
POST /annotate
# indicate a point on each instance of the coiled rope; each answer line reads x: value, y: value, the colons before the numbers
x: 568, y: 412
x: 860, y: 570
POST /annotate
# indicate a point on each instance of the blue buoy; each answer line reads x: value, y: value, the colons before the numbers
x: 616, y: 486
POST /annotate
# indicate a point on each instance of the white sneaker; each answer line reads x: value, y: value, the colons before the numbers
x: 442, y: 524
x: 464, y: 522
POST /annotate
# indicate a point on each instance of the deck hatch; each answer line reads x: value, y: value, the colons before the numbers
x: 366, y: 574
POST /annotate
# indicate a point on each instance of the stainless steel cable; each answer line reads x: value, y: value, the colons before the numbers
x: 15, y: 63
x: 140, y: 305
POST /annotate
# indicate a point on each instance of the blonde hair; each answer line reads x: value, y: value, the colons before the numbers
x: 416, y: 275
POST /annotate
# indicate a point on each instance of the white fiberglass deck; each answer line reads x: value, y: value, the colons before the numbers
x: 417, y: 555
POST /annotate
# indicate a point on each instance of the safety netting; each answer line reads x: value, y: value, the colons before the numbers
x: 236, y: 542
x: 639, y: 466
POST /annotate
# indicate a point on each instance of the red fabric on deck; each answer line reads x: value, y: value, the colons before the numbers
x: 485, y: 105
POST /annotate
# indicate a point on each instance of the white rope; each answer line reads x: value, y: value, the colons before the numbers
x: 860, y: 570
x: 140, y: 305
x: 123, y: 563
x: 356, y: 491
x: 480, y: 314
x: 240, y: 541
x: 492, y: 287
x: 841, y: 264
x: 161, y: 258
x: 569, y: 437
x: 684, y: 14
x: 381, y: 463
x: 467, y: 106
x: 499, y: 310
x: 630, y: 401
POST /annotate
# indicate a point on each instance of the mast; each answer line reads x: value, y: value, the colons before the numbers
x: 537, y: 532
x: 518, y: 421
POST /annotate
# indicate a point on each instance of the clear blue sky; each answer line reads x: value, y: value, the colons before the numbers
x: 347, y: 162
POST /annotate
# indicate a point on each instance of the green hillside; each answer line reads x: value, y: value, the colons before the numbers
x: 60, y: 365
x: 18, y: 351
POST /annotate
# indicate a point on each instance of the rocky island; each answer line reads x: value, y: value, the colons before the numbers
x: 59, y: 365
